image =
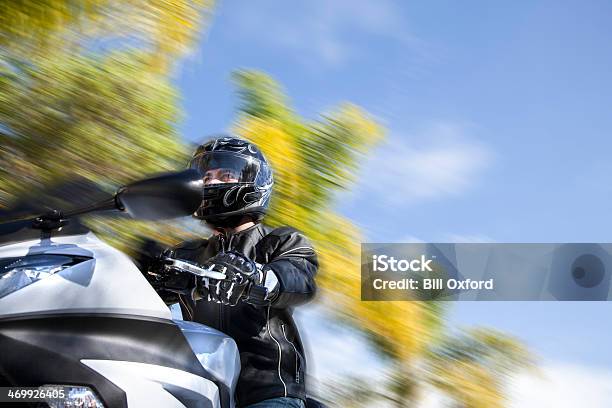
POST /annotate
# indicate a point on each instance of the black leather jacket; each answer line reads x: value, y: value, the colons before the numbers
x: 272, y: 357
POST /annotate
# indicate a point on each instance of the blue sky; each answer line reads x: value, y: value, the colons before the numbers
x: 497, y: 118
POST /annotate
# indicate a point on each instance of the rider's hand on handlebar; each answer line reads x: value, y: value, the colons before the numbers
x: 244, y: 280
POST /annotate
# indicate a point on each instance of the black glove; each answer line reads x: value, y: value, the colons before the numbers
x: 244, y: 281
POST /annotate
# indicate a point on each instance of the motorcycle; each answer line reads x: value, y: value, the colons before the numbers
x: 81, y: 326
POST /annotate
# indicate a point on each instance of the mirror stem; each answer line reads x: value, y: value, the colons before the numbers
x: 108, y: 204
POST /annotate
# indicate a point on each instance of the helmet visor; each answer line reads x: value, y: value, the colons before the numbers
x: 225, y: 167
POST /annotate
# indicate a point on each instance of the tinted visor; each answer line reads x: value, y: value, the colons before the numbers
x: 225, y: 167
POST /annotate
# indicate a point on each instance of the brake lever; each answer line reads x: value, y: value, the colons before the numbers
x: 184, y: 266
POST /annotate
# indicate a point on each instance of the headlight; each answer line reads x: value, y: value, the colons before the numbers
x: 73, y: 396
x: 17, y: 273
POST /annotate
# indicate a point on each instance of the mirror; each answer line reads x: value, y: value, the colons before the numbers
x: 169, y: 195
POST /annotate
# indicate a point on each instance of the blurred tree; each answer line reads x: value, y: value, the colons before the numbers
x: 474, y: 367
x: 164, y: 29
x: 352, y: 391
x: 312, y: 162
x: 85, y: 93
x: 101, y: 117
x: 470, y: 369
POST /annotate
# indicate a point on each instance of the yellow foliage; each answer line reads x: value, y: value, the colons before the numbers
x: 313, y: 160
x: 401, y: 326
x: 167, y: 28
x: 283, y: 156
x: 470, y: 384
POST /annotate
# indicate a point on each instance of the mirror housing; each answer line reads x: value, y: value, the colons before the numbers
x: 168, y: 195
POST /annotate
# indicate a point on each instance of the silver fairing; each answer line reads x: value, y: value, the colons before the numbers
x: 216, y: 351
x: 108, y: 283
x: 154, y: 386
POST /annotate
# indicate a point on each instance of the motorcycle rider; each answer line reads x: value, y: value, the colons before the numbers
x: 269, y: 272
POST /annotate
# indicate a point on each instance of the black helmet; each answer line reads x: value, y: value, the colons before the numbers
x: 237, y: 181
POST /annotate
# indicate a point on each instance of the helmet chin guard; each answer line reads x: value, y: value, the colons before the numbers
x: 238, y: 181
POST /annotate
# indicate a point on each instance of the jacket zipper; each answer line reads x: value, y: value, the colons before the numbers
x: 221, y: 314
x: 280, y: 352
x: 297, y: 368
x: 222, y: 241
